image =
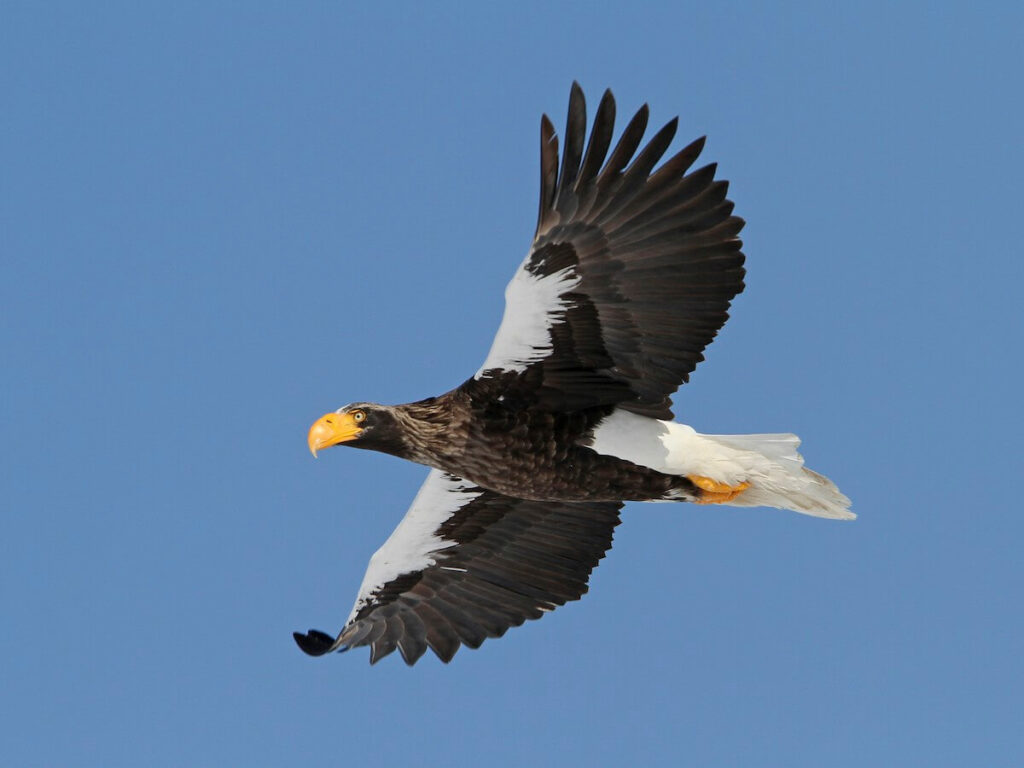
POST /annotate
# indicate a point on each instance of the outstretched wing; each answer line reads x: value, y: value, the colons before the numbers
x: 629, y: 278
x: 466, y: 564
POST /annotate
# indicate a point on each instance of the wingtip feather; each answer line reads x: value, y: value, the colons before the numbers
x: 314, y: 642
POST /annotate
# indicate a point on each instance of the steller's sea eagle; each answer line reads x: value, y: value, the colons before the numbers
x: 629, y: 278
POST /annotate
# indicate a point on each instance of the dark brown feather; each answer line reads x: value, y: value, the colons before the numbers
x: 658, y: 260
x: 513, y: 560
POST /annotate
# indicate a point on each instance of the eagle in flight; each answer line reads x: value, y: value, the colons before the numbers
x: 630, y: 276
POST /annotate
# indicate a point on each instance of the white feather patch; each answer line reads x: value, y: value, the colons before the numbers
x: 532, y: 306
x: 769, y: 463
x: 412, y: 545
x: 675, y: 449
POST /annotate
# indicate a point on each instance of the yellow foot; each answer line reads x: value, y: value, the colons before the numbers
x: 715, y: 492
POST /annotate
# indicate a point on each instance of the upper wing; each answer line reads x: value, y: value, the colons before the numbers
x: 466, y: 564
x: 630, y: 274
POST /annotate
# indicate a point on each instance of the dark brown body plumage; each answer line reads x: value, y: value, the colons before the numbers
x: 521, y: 452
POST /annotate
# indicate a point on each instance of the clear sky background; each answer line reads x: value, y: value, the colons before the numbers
x: 220, y: 220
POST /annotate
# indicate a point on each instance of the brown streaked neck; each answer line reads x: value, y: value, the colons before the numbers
x: 426, y: 429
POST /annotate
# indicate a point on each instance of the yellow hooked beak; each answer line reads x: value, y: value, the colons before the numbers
x: 331, y: 429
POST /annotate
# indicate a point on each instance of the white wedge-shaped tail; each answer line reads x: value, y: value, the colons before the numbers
x: 769, y: 464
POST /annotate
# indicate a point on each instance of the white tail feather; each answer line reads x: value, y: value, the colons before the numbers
x: 770, y: 463
x: 778, y: 477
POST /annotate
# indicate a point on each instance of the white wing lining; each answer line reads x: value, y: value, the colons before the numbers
x: 533, y: 304
x: 412, y: 545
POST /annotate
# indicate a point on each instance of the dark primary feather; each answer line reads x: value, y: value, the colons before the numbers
x: 513, y: 561
x: 657, y: 255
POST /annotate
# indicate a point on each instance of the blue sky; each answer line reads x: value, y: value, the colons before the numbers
x: 218, y: 221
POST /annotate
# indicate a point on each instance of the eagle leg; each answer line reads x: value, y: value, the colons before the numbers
x: 713, y: 492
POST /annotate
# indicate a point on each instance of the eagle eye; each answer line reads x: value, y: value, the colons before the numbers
x: 358, y: 416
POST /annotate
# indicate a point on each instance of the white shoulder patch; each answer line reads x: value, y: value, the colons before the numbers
x: 661, y: 445
x: 413, y: 544
x: 678, y: 449
x: 532, y: 306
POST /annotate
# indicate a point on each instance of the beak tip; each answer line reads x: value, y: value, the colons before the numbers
x: 331, y: 429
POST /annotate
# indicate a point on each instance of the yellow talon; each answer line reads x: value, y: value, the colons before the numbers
x: 715, y: 492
